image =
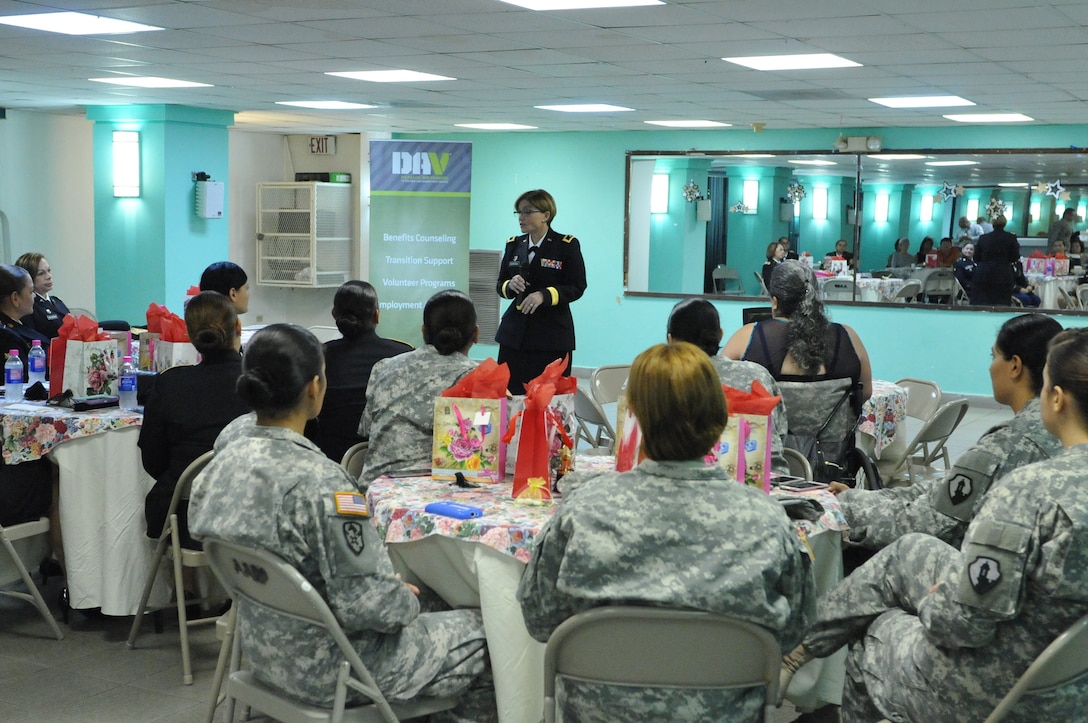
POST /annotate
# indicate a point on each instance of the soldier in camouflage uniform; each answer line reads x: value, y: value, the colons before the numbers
x: 399, y: 413
x: 270, y: 487
x: 937, y: 634
x: 943, y: 507
x: 696, y: 321
x: 671, y: 533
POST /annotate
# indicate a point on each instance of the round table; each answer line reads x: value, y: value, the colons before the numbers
x: 881, y: 416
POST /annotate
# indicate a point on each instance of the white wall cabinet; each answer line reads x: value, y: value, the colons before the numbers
x: 304, y: 236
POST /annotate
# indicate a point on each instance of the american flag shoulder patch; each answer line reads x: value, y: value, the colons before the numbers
x: 350, y: 503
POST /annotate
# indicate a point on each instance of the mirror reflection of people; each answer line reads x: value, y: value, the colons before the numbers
x: 776, y: 254
x: 271, y: 488
x: 17, y: 304
x: 964, y: 268
x: 902, y: 257
x: 947, y: 253
x: 931, y: 636
x: 349, y: 362
x: 632, y: 538
x: 785, y: 241
x: 1061, y: 230
x: 1022, y: 289
x: 543, y: 272
x: 840, y: 251
x: 924, y: 249
x: 230, y: 280
x: 995, y: 254
x: 49, y: 311
x: 969, y: 231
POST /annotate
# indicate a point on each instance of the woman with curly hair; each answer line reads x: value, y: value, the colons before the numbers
x: 800, y: 343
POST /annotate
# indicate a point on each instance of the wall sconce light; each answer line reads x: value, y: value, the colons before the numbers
x: 972, y: 209
x: 659, y: 193
x: 1059, y: 209
x: 880, y: 214
x: 925, y: 210
x: 1081, y: 211
x: 1008, y: 212
x: 1036, y: 211
x: 819, y: 203
x: 126, y: 164
x: 751, y: 195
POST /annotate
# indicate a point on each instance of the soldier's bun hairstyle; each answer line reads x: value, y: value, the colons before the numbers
x: 212, y: 322
x: 222, y: 276
x: 354, y: 307
x: 696, y: 321
x: 449, y: 322
x: 1067, y: 366
x: 280, y: 360
x: 1027, y: 337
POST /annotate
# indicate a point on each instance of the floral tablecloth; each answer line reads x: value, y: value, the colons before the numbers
x: 31, y: 429
x: 871, y: 289
x: 883, y: 413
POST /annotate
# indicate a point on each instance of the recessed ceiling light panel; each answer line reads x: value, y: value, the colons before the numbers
x: 76, y: 24
x: 951, y: 163
x: 896, y: 157
x: 390, y: 76
x: 688, y: 124
x: 580, y: 4
x: 806, y: 61
x: 585, y: 108
x: 813, y: 162
x: 989, y: 118
x: 150, y: 81
x: 325, y: 104
x: 496, y: 126
x: 922, y: 101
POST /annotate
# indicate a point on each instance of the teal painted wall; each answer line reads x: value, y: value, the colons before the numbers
x: 152, y: 248
x: 585, y: 172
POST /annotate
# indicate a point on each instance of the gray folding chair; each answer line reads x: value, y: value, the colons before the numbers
x: 593, y: 424
x: 1082, y: 295
x: 923, y: 397
x: 939, y: 283
x: 908, y: 292
x: 169, y: 546
x: 33, y: 537
x: 661, y: 647
x: 1062, y: 662
x: 799, y: 466
x: 726, y: 280
x: 928, y: 444
x: 607, y: 382
x: 838, y: 290
x: 265, y: 580
x: 354, y: 458
x: 763, y: 291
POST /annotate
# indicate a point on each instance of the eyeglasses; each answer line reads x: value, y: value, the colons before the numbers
x: 528, y: 212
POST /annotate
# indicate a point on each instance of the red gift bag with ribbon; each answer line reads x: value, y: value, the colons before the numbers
x: 545, y: 450
x: 82, y: 358
x: 744, y: 448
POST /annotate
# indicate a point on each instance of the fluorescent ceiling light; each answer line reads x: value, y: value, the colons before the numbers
x: 579, y: 4
x: 990, y: 118
x: 897, y: 157
x: 325, y: 104
x: 951, y: 163
x: 584, y: 108
x: 75, y: 24
x: 814, y: 162
x: 150, y: 81
x: 689, y: 124
x: 755, y: 155
x: 922, y: 101
x: 1013, y: 185
x: 808, y: 61
x: 496, y: 126
x: 389, y: 76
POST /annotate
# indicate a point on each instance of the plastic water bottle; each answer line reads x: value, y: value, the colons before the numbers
x: 13, y: 376
x: 126, y: 384
x: 36, y: 363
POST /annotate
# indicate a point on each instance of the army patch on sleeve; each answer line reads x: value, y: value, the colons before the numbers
x: 353, y: 536
x: 350, y: 503
x: 984, y: 573
x: 960, y: 488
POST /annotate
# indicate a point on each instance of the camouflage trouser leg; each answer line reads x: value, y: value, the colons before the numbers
x: 465, y: 670
x: 895, y: 579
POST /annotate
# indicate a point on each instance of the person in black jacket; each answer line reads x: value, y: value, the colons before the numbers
x: 994, y: 277
x: 190, y: 405
x: 348, y: 363
x: 49, y: 311
x: 16, y: 304
x: 543, y: 272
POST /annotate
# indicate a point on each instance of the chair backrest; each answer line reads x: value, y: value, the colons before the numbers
x: 325, y: 333
x: 77, y: 311
x: 185, y: 481
x: 651, y: 647
x: 939, y: 283
x: 1082, y: 295
x: 923, y: 397
x: 763, y: 291
x: 838, y: 289
x: 1070, y: 301
x: 808, y: 405
x: 607, y: 382
x: 725, y: 275
x: 267, y: 581
x: 937, y: 429
x: 1060, y: 663
x: 799, y: 466
x: 354, y: 458
x: 961, y: 296
x: 910, y: 289
x: 588, y: 412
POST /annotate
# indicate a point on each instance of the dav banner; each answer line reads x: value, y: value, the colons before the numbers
x: 419, y: 215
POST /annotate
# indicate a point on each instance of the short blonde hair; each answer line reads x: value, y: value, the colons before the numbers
x: 675, y: 393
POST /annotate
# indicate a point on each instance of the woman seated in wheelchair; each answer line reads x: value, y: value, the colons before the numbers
x: 674, y: 533
x: 272, y: 488
x: 940, y: 634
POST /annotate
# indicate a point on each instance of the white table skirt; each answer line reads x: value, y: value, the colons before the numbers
x: 106, y: 550
x: 469, y: 574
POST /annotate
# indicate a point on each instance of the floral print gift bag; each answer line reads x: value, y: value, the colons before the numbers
x: 469, y: 419
x: 88, y: 363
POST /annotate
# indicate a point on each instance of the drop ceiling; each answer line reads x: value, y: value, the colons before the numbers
x: 662, y: 61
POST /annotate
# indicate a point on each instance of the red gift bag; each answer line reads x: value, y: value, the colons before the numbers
x: 540, y: 424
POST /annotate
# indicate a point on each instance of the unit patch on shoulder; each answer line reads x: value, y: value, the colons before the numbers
x: 350, y: 503
x: 353, y: 536
x: 984, y: 573
x: 959, y: 488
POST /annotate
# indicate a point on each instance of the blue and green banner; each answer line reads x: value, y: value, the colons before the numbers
x: 419, y: 221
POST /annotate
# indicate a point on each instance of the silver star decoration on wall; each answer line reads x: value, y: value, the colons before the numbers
x: 1055, y: 189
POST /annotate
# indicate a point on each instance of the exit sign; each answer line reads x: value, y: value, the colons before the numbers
x: 323, y: 145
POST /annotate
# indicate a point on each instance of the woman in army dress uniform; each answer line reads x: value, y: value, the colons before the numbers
x: 272, y: 488
x: 543, y: 272
x: 938, y: 634
x: 49, y: 311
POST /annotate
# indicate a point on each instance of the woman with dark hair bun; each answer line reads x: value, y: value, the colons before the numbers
x: 800, y: 343
x: 270, y: 487
x: 190, y: 405
x: 399, y: 414
x: 348, y: 365
x: 230, y: 280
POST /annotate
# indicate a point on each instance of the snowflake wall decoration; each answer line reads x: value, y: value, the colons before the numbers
x: 795, y: 192
x: 692, y: 192
x: 995, y: 208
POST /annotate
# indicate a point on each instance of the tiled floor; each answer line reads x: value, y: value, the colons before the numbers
x: 91, y: 676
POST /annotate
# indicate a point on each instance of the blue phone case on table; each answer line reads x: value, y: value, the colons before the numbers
x: 453, y: 509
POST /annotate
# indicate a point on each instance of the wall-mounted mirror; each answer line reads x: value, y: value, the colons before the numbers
x: 702, y: 222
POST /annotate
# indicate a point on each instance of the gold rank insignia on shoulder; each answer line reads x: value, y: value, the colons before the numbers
x: 567, y: 239
x: 350, y: 503
x: 511, y: 240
